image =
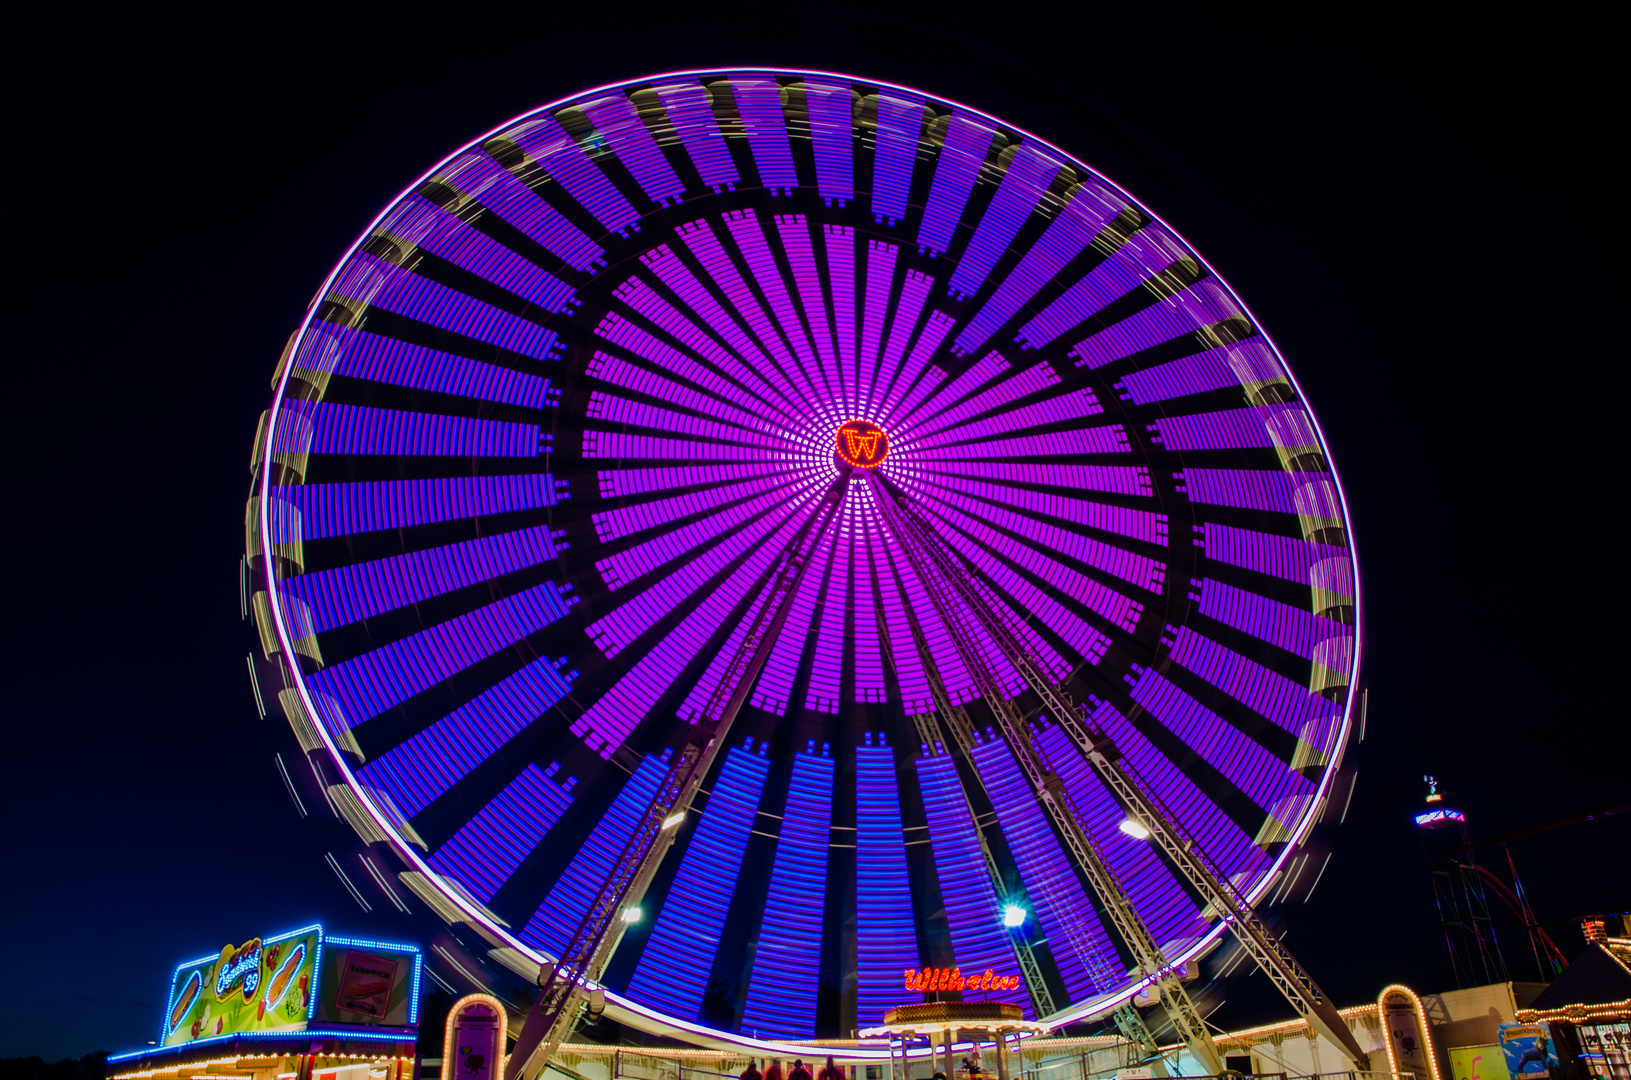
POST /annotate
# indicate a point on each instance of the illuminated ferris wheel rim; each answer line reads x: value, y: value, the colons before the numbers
x: 476, y: 915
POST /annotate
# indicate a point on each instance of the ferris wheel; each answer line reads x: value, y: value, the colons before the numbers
x: 744, y: 537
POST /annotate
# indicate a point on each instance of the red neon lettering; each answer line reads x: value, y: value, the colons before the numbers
x: 936, y: 980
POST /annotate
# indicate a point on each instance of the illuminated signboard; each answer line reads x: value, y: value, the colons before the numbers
x: 863, y: 444
x: 283, y: 983
x: 264, y: 984
x: 369, y: 982
x: 930, y: 980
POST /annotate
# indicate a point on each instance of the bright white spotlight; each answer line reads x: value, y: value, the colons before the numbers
x: 673, y: 819
x: 632, y: 915
x: 1013, y: 915
x: 1134, y: 829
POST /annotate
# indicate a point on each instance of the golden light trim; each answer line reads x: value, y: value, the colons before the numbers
x: 1421, y: 1022
x: 503, y: 1028
x: 174, y: 1070
x: 1577, y: 1014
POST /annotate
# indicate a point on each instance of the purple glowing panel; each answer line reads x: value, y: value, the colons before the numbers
x: 974, y: 912
x: 356, y: 354
x: 885, y: 929
x: 900, y: 128
x: 767, y: 336
x: 1139, y: 570
x: 1201, y: 305
x: 1071, y: 509
x: 790, y: 934
x: 418, y: 771
x: 831, y: 108
x: 880, y: 274
x: 420, y: 223
x: 1215, y: 832
x: 1078, y: 223
x: 694, y: 342
x: 551, y: 926
x: 750, y: 239
x: 962, y: 155
x: 1085, y: 958
x: 568, y: 163
x: 1323, y: 566
x: 1138, y: 262
x: 914, y: 294
x: 347, y: 509
x: 1160, y: 900
x: 1308, y: 495
x: 782, y: 667
x: 486, y: 851
x: 674, y: 966
x: 870, y: 681
x: 620, y: 126
x: 1294, y: 707
x: 321, y: 428
x: 1023, y: 186
x: 751, y: 583
x: 1062, y: 384
x: 1292, y: 629
x: 827, y: 656
x: 477, y: 176
x: 375, y: 681
x: 1283, y: 426
x: 1260, y: 776
x: 693, y: 120
x: 1247, y: 364
x: 759, y: 101
x: 347, y: 594
x: 608, y: 722
x: 794, y: 233
x: 374, y: 283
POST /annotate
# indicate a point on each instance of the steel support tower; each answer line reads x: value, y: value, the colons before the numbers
x: 975, y: 617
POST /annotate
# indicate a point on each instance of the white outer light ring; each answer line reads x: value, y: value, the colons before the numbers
x: 1099, y: 1005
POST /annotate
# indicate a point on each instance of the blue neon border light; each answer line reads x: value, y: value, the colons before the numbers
x: 392, y: 946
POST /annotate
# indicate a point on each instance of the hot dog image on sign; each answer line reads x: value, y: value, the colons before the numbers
x: 365, y: 983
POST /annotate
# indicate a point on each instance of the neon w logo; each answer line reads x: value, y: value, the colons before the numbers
x: 862, y: 444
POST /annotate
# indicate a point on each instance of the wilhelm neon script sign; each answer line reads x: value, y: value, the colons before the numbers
x: 930, y: 980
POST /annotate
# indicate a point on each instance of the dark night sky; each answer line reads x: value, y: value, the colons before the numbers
x: 1423, y: 214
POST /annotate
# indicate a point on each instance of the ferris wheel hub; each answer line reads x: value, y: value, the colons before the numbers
x: 861, y: 444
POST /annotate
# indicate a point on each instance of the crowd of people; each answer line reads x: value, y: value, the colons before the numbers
x: 800, y: 1071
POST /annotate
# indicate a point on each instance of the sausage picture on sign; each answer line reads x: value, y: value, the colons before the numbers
x: 365, y: 983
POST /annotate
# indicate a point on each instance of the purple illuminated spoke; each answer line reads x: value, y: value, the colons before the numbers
x: 674, y: 967
x: 790, y: 935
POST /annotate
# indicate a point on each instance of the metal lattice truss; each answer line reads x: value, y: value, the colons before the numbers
x: 973, y: 616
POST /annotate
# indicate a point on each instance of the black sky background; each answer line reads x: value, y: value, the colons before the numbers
x: 1422, y: 209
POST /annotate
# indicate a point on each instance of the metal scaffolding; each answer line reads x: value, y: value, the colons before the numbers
x: 975, y: 617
